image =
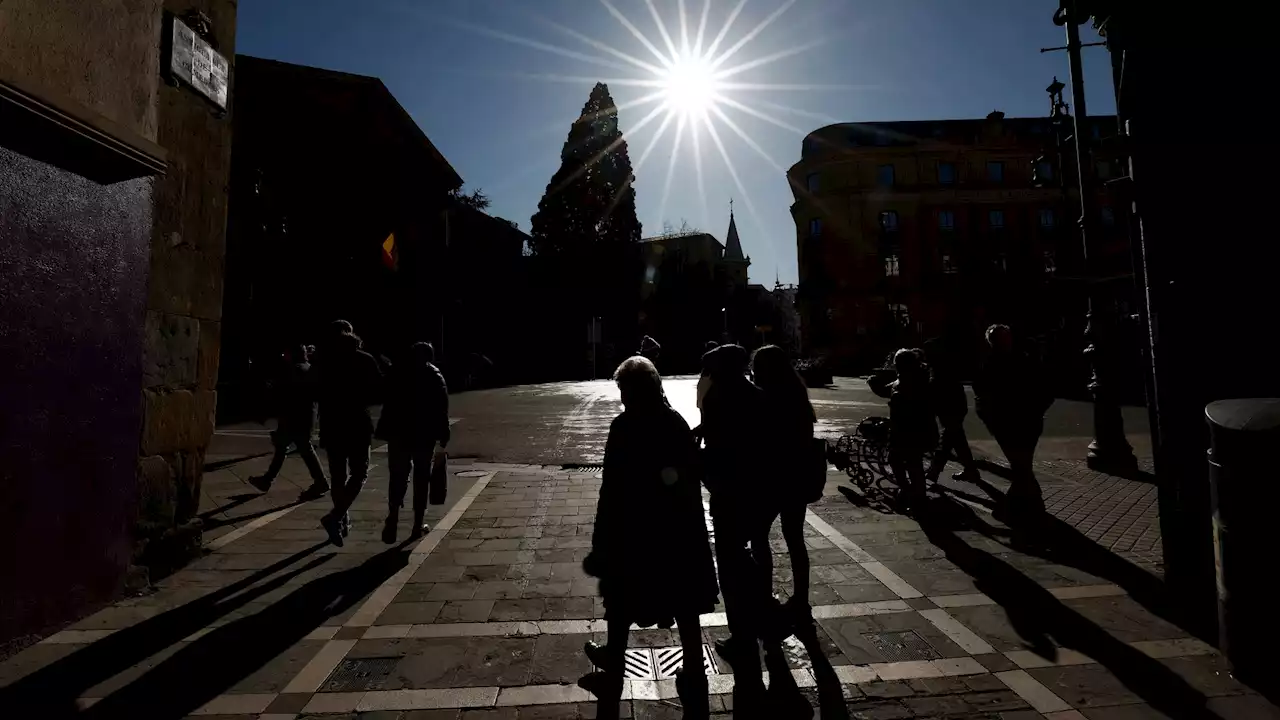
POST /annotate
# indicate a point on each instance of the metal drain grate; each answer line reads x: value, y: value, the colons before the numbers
x: 638, y: 664
x: 360, y: 674
x: 669, y: 661
x: 907, y: 645
x: 580, y: 467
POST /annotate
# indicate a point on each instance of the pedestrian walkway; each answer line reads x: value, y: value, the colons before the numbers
x: 485, y: 617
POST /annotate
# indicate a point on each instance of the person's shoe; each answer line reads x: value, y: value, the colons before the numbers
x: 737, y: 653
x: 316, y: 491
x: 333, y: 527
x: 968, y: 475
x: 389, y: 530
x: 598, y: 655
x: 420, y: 528
x: 261, y: 482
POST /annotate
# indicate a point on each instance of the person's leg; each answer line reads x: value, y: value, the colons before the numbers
x: 333, y: 522
x: 399, y: 458
x: 281, y: 443
x: 309, y: 458
x: 422, y: 453
x: 960, y: 443
x: 738, y: 587
x: 793, y: 533
x: 691, y: 682
x: 358, y: 462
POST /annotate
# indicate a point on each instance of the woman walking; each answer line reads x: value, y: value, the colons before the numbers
x: 648, y: 577
x: 790, y: 419
x: 415, y: 424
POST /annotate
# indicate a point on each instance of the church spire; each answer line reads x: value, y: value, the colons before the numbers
x: 732, y: 244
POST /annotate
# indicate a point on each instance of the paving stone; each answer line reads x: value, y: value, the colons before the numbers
x: 410, y: 613
x: 559, y: 659
x: 569, y: 608
x: 517, y: 610
x: 984, y: 683
x: 1245, y: 707
x: 879, y: 710
x: 1208, y: 674
x: 938, y: 705
x: 508, y: 713
x: 1133, y: 712
x: 1083, y: 686
x: 465, y: 611
x: 453, y: 591
x: 941, y: 686
x: 864, y: 592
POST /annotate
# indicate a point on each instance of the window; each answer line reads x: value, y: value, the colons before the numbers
x: 995, y: 171
x: 808, y: 148
x: 1047, y: 220
x: 1097, y: 132
x: 892, y: 268
x: 946, y: 173
x: 999, y: 262
x: 1050, y: 266
x: 1108, y: 217
x: 811, y: 182
x: 884, y: 175
x: 1044, y: 171
x: 995, y: 219
x: 900, y: 314
x: 946, y: 220
x: 882, y: 138
x: 949, y: 265
x: 889, y: 221
x: 815, y: 227
x: 1104, y: 169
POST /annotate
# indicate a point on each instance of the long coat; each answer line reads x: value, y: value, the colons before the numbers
x: 417, y: 406
x: 650, y: 548
x: 350, y: 381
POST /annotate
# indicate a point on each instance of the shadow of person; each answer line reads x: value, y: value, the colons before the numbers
x: 214, y: 522
x: 831, y: 700
x: 52, y: 691
x: 1040, y: 618
x: 213, y: 664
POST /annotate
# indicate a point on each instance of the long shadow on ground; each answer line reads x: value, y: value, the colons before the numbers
x: 52, y: 691
x: 210, y: 666
x: 1041, y: 619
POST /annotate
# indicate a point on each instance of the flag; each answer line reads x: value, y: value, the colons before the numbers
x: 390, y: 257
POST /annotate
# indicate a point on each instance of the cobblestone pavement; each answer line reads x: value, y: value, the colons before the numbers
x: 485, y: 618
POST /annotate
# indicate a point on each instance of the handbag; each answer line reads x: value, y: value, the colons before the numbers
x: 814, y: 466
x: 438, y: 490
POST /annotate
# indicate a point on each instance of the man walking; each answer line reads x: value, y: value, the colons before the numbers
x: 350, y: 381
x: 415, y: 424
x: 295, y: 418
x: 951, y: 405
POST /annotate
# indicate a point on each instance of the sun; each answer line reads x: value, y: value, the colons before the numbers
x: 689, y: 86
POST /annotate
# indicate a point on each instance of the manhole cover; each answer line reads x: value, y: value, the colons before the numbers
x: 908, y: 645
x: 638, y: 664
x: 471, y: 473
x: 361, y: 674
x: 668, y: 661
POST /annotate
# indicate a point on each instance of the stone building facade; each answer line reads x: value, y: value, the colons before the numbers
x: 112, y: 204
x: 908, y: 231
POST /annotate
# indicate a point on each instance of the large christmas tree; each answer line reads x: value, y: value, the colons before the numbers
x: 585, y: 235
x: 590, y: 202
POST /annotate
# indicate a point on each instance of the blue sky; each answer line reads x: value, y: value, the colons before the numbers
x: 495, y: 84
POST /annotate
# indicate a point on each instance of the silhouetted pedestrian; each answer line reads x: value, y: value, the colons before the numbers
x: 734, y: 430
x: 704, y: 380
x: 415, y: 424
x: 913, y: 429
x: 790, y: 419
x: 295, y: 418
x: 1011, y: 399
x: 650, y: 349
x: 951, y: 405
x: 651, y: 480
x: 350, y: 382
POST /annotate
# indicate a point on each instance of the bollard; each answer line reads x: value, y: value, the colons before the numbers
x: 1244, y: 447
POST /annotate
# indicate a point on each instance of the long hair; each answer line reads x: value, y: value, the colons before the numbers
x: 776, y: 375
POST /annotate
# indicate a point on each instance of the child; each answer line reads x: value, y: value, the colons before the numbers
x: 650, y: 548
x: 913, y: 430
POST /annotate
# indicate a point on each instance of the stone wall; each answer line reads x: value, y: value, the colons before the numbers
x: 184, y: 308
x: 73, y: 285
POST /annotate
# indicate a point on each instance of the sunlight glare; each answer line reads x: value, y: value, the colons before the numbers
x: 690, y: 86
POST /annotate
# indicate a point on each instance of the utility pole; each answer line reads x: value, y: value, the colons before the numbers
x: 1109, y: 449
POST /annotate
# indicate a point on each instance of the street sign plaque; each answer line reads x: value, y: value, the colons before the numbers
x: 194, y: 61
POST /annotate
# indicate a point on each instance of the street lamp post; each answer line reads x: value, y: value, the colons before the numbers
x: 1109, y: 449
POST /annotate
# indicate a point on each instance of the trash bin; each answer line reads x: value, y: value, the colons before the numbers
x: 1245, y: 495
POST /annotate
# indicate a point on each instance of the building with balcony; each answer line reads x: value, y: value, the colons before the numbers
x: 908, y: 231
